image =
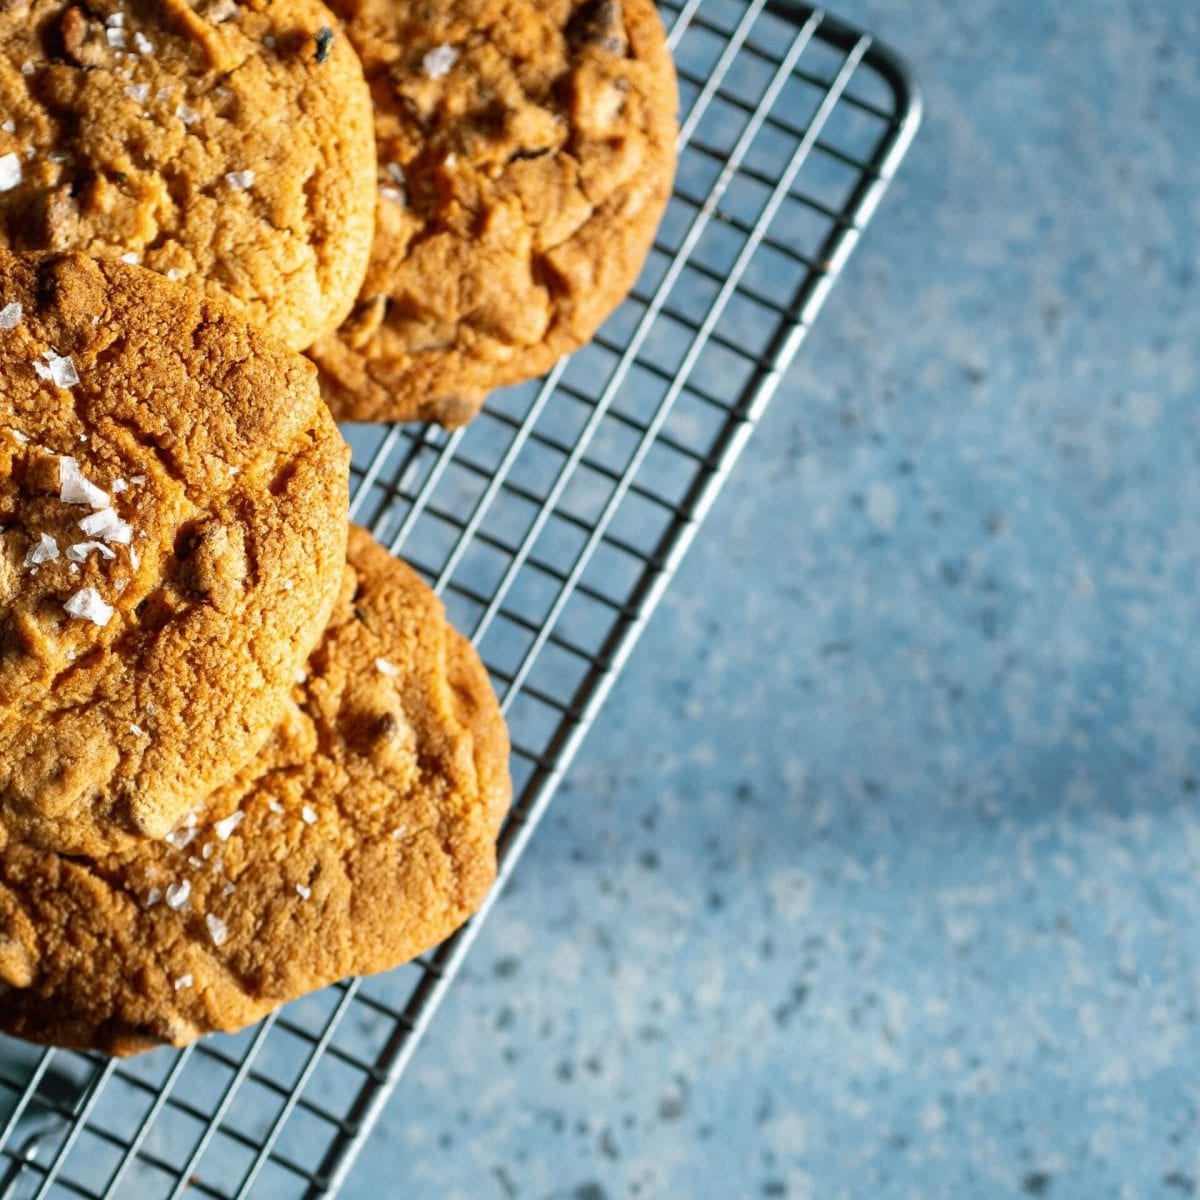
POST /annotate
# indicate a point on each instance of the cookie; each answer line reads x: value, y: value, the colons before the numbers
x: 362, y: 835
x: 224, y: 142
x: 526, y: 151
x: 172, y: 500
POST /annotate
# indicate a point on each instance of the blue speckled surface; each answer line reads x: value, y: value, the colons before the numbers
x: 901, y: 898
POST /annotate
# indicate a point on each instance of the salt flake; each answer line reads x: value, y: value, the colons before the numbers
x: 303, y: 892
x: 240, y: 181
x: 106, y: 525
x: 80, y: 550
x: 75, y: 488
x: 183, y: 983
x: 136, y: 730
x: 177, y: 894
x: 58, y: 368
x: 138, y: 91
x: 10, y: 315
x: 43, y: 551
x: 189, y: 116
x: 153, y: 896
x: 142, y: 43
x: 217, y: 929
x: 88, y: 605
x: 309, y: 817
x: 180, y: 839
x: 225, y: 828
x: 438, y: 61
x: 386, y: 668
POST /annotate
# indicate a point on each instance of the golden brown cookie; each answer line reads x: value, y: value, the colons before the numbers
x: 172, y: 503
x: 526, y: 151
x: 225, y: 142
x: 362, y: 835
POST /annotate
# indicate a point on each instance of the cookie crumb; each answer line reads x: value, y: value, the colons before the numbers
x: 43, y: 551
x: 438, y: 61
x: 88, y: 605
x: 10, y: 315
x: 217, y: 929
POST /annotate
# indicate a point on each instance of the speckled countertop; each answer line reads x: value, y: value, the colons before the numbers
x: 903, y: 897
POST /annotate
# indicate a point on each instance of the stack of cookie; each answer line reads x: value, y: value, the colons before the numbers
x: 242, y: 754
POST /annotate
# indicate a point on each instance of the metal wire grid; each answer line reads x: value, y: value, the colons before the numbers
x: 551, y: 527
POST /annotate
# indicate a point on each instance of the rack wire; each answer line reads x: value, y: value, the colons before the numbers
x: 551, y: 527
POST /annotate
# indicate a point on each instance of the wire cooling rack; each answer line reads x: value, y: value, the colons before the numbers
x: 550, y: 526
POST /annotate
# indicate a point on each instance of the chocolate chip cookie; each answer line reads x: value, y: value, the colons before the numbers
x: 172, y: 525
x: 526, y: 151
x: 363, y: 834
x: 224, y: 142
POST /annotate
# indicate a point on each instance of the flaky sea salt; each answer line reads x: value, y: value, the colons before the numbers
x: 136, y: 729
x: 44, y: 550
x: 105, y: 524
x: 180, y: 839
x: 58, y: 368
x: 119, y: 486
x: 303, y: 892
x: 18, y: 437
x: 138, y: 91
x: 189, y: 116
x: 131, y: 258
x: 153, y: 896
x: 142, y: 43
x: 88, y: 605
x: 240, y: 181
x: 183, y: 983
x: 438, y: 61
x: 10, y: 315
x: 80, y: 550
x: 274, y: 805
x: 308, y: 816
x: 177, y: 894
x: 395, y: 195
x: 386, y: 668
x: 75, y: 488
x: 225, y: 828
x: 174, y: 274
x: 217, y: 929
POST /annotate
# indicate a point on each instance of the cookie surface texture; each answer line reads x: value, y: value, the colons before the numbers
x: 362, y: 835
x: 172, y: 501
x: 526, y: 151
x: 222, y: 142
